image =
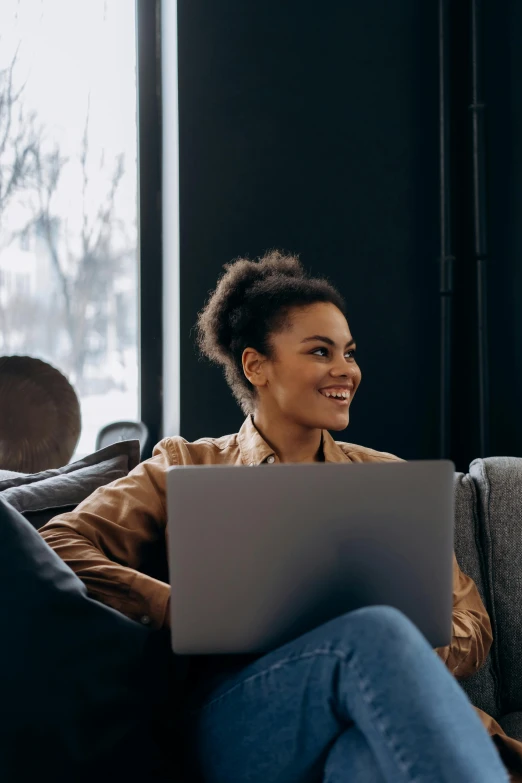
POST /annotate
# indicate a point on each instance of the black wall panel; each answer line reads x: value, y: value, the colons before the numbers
x: 503, y: 74
x: 314, y: 129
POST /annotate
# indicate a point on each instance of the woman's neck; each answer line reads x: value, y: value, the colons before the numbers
x: 291, y: 442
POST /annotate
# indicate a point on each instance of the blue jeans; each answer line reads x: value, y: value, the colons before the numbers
x: 361, y: 699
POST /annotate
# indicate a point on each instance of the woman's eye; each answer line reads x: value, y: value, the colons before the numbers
x: 324, y: 352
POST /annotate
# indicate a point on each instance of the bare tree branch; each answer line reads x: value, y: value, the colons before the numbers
x: 18, y: 137
x: 84, y: 282
x: 84, y: 263
x: 48, y: 173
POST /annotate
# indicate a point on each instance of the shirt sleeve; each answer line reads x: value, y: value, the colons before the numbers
x: 105, y: 539
x: 471, y: 628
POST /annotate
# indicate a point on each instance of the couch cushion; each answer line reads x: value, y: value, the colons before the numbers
x: 41, y: 496
x: 499, y: 484
x: 482, y: 687
x: 74, y: 676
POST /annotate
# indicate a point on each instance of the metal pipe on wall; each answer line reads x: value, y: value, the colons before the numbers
x: 477, y: 109
x: 446, y: 255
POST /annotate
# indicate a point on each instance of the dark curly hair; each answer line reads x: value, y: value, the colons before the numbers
x: 251, y: 302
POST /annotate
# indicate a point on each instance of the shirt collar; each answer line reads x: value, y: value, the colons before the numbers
x: 255, y: 450
x: 331, y: 450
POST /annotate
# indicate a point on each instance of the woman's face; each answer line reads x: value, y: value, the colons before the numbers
x: 312, y: 376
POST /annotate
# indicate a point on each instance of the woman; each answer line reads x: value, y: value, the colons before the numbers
x: 362, y: 698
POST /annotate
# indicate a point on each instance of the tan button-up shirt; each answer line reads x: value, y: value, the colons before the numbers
x: 115, y: 541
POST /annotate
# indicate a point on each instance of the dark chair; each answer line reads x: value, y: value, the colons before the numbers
x: 122, y: 430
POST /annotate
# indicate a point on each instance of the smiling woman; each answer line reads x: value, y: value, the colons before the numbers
x: 329, y: 705
x: 284, y: 343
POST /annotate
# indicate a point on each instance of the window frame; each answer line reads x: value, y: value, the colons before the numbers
x: 150, y: 252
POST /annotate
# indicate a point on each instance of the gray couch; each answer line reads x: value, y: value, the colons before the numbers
x: 488, y: 545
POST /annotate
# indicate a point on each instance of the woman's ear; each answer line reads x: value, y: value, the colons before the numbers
x: 254, y: 367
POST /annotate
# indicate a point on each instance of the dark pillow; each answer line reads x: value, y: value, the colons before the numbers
x: 41, y: 496
x: 77, y: 678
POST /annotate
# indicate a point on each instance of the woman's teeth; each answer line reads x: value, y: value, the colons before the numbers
x: 338, y: 395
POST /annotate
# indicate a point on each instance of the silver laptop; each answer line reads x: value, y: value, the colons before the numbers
x: 260, y: 555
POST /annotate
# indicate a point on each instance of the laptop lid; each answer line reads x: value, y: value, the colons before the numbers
x: 260, y: 555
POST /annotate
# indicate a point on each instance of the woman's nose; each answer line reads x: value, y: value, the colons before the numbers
x: 340, y: 367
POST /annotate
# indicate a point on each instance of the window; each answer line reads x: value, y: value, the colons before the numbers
x: 68, y: 198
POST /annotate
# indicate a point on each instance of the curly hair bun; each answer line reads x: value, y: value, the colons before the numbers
x: 244, y: 276
x: 218, y: 323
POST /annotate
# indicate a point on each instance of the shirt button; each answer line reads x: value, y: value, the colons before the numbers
x: 271, y: 460
x: 251, y: 465
x: 145, y: 619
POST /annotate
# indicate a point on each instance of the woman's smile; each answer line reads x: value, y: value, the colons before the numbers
x: 341, y: 395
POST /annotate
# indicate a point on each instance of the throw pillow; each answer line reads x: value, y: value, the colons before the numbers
x: 79, y: 689
x: 41, y: 496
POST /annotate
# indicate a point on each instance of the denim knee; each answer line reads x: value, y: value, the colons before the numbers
x: 374, y: 624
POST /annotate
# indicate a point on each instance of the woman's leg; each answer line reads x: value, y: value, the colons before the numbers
x: 287, y: 717
x: 351, y: 748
